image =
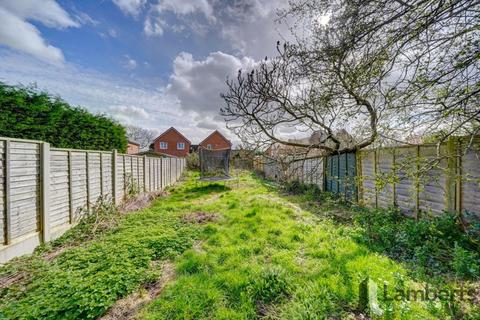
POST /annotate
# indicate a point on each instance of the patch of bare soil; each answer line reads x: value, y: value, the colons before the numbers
x: 49, y: 256
x: 141, y: 201
x: 200, y: 217
x: 128, y: 307
x: 9, y: 279
x: 266, y: 311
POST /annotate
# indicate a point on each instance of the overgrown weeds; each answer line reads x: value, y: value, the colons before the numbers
x: 435, y: 245
x: 260, y: 260
x: 105, y: 257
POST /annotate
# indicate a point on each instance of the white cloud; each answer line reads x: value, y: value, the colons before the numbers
x: 153, y: 26
x: 112, y: 33
x: 49, y: 13
x: 197, y: 85
x: 126, y: 101
x: 23, y: 36
x: 252, y: 27
x: 17, y: 33
x: 129, y: 63
x: 130, y: 7
x: 186, y: 7
x: 155, y: 23
x: 128, y: 114
x: 85, y: 19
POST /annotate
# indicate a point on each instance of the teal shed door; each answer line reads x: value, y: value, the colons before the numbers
x: 340, y: 175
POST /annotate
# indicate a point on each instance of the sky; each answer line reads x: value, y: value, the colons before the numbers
x: 153, y: 64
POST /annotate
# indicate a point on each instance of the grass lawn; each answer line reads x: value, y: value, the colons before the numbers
x: 238, y: 252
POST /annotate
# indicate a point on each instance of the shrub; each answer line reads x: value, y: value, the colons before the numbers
x: 193, y: 162
x: 465, y: 263
x: 438, y: 244
x: 29, y: 114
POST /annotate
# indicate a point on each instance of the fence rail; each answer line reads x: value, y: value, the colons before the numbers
x: 417, y: 179
x: 44, y: 191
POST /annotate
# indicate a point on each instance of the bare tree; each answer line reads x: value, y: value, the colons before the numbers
x: 141, y: 135
x: 381, y: 70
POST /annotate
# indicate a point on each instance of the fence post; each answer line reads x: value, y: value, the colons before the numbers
x: 162, y: 175
x: 359, y: 174
x: 70, y: 186
x: 417, y: 184
x: 458, y: 180
x: 394, y: 173
x: 87, y: 182
x: 375, y: 158
x: 124, y: 176
x: 131, y: 171
x: 8, y: 204
x: 45, y: 191
x: 169, y: 171
x: 101, y: 174
x: 451, y: 175
x: 144, y: 173
x: 114, y: 176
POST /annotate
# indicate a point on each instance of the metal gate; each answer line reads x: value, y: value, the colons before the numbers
x: 340, y: 173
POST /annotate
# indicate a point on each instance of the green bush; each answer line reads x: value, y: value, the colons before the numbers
x: 312, y: 191
x: 29, y: 114
x: 465, y: 263
x: 193, y: 162
x: 437, y: 245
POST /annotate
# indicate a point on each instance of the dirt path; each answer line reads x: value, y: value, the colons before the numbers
x: 128, y: 307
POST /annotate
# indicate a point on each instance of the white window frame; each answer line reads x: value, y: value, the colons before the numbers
x: 163, y: 145
x: 182, y: 144
x: 209, y: 146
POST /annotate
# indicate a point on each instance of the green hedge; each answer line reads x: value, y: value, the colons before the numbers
x: 29, y: 114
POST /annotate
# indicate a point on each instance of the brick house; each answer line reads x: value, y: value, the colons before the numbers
x: 133, y: 147
x: 172, y: 142
x: 216, y: 141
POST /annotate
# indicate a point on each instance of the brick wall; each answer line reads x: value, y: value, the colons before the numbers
x: 217, y: 141
x: 171, y: 137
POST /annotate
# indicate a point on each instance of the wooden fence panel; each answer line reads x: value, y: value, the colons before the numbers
x: 163, y: 168
x: 59, y: 188
x: 151, y: 173
x: 433, y: 186
x: 120, y: 177
x: 106, y: 160
x: 385, y: 174
x: 44, y: 191
x: 3, y: 203
x: 469, y: 188
x: 24, y: 195
x: 406, y: 190
x: 94, y: 177
x: 367, y: 177
x: 173, y: 163
x: 79, y: 184
x: 166, y: 163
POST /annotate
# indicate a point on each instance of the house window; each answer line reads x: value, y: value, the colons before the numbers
x: 180, y: 146
x: 163, y: 145
x: 209, y: 146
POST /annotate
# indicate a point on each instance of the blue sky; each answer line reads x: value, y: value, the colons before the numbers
x: 155, y: 64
